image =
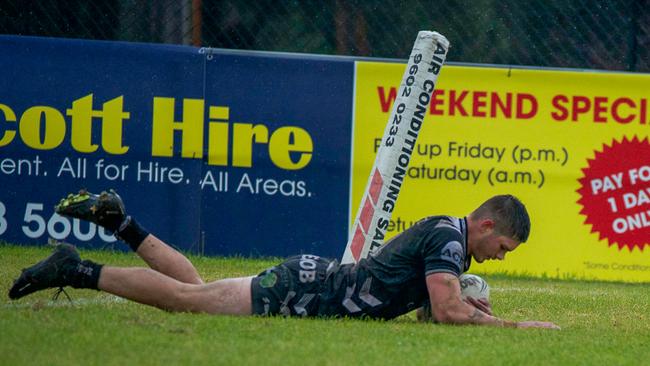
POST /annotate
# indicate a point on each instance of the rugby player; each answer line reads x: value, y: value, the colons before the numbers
x: 417, y: 269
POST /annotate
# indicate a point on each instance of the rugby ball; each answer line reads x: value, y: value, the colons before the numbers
x: 474, y: 286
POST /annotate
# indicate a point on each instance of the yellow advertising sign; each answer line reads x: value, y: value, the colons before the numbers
x: 572, y: 145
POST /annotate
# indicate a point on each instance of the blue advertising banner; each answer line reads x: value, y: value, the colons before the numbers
x: 217, y: 152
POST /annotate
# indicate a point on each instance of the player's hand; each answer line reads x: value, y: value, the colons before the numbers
x: 536, y: 324
x: 481, y: 304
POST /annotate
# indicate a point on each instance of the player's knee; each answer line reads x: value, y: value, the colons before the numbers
x: 186, y: 298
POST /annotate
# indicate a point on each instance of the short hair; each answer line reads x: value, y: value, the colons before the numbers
x: 509, y: 214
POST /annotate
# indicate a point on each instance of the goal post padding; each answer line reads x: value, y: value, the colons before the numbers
x: 394, y: 154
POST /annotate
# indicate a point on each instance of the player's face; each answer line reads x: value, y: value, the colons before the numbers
x: 494, y: 246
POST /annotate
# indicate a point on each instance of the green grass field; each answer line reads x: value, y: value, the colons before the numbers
x: 602, y: 324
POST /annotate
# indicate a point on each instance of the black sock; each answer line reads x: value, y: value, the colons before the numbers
x: 86, y: 275
x: 132, y: 233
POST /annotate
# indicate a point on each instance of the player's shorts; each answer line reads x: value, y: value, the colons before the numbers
x: 292, y: 287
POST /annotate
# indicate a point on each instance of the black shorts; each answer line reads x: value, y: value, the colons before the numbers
x: 292, y: 287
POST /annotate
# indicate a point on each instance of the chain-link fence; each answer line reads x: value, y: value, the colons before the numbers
x: 601, y: 34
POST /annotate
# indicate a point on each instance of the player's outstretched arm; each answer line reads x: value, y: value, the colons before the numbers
x: 447, y: 307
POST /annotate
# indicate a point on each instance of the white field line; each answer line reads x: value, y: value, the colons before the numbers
x: 546, y: 290
x: 63, y: 301
x: 523, y: 289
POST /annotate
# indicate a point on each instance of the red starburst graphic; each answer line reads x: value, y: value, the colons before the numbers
x: 615, y: 193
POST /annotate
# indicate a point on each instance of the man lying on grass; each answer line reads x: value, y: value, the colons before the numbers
x: 418, y: 268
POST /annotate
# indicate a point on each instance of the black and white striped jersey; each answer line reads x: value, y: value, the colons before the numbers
x: 392, y: 282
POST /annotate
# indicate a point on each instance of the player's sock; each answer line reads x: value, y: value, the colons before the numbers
x: 132, y: 233
x: 86, y: 275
